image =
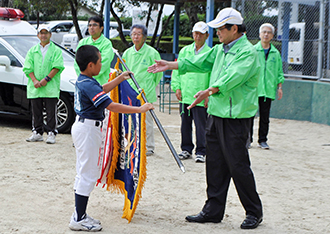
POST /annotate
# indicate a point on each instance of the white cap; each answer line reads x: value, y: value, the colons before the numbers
x: 200, y: 27
x: 42, y: 27
x: 226, y: 16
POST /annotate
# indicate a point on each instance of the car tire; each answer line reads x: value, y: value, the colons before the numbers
x: 65, y: 113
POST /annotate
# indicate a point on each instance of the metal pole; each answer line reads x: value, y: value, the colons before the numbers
x: 159, y: 125
x: 175, y: 49
x: 106, y: 19
x: 321, y: 37
x: 285, y: 37
x: 210, y: 17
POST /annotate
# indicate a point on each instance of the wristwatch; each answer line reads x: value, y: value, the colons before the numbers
x: 210, y: 91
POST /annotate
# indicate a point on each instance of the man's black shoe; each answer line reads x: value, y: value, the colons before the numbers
x: 251, y: 222
x: 201, y: 217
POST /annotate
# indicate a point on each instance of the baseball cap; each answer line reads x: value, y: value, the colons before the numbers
x: 226, y: 16
x: 42, y: 27
x: 200, y: 27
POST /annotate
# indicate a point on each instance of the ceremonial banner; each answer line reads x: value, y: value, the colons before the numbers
x: 123, y: 152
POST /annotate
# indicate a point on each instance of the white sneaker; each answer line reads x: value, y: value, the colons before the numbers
x: 184, y: 155
x: 51, y: 138
x: 200, y: 158
x: 35, y: 137
x: 87, y: 224
x: 94, y: 221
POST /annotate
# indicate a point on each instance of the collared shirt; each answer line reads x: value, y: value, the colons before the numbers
x: 140, y: 48
x: 230, y: 44
x: 200, y: 49
x: 43, y: 50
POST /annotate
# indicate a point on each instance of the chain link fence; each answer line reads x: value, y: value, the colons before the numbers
x: 302, y: 33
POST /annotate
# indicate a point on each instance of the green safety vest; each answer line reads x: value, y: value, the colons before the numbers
x: 41, y: 67
x: 138, y: 62
x: 192, y: 82
x: 271, y: 72
x: 105, y: 47
x: 235, y: 74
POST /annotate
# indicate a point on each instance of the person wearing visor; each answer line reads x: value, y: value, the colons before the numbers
x: 138, y: 58
x: 97, y: 39
x: 185, y: 87
x: 233, y: 100
x: 43, y: 66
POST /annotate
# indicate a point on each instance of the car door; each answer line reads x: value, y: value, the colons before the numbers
x: 12, y: 89
x: 59, y: 31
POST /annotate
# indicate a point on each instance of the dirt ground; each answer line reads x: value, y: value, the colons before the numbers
x: 36, y: 182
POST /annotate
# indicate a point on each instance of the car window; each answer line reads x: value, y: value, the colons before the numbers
x: 22, y: 44
x: 62, y: 27
x: 13, y: 60
x: 67, y: 27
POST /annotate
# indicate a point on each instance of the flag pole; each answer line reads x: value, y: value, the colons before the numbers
x: 152, y: 112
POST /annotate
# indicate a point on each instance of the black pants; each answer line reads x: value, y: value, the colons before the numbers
x: 199, y: 115
x: 37, y: 105
x: 227, y: 157
x: 264, y: 110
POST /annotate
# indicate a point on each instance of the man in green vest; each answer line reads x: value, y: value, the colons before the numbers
x: 43, y: 66
x: 97, y: 39
x: 138, y: 58
x: 185, y: 87
x: 270, y: 81
x: 233, y: 100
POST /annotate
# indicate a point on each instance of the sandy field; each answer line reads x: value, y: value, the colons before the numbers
x: 36, y: 182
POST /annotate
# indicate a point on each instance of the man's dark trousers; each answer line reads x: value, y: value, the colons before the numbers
x: 199, y: 115
x: 37, y: 106
x: 227, y: 157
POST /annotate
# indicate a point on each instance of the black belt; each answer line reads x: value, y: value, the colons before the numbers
x: 98, y: 123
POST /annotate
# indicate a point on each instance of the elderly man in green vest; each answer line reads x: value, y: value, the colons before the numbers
x: 138, y: 58
x: 185, y: 87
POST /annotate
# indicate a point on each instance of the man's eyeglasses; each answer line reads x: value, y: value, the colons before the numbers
x: 220, y: 29
x: 93, y: 25
x: 264, y: 32
x: 136, y: 34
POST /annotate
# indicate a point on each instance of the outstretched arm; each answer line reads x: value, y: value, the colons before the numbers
x: 121, y: 108
x: 107, y: 87
x: 162, y: 65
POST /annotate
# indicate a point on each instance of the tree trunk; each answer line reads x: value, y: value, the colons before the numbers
x: 192, y: 11
x: 164, y: 27
x: 149, y: 13
x: 102, y: 9
x: 120, y: 29
x: 153, y: 39
x: 74, y: 8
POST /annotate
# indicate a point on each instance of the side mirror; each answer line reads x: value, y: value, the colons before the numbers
x: 5, y: 61
x: 58, y: 30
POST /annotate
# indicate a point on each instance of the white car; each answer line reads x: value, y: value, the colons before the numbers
x: 70, y: 41
x: 58, y: 28
x: 16, y: 38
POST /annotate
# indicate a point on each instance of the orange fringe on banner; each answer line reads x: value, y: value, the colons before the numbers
x: 117, y: 185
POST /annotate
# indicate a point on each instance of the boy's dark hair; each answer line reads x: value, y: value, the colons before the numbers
x: 97, y: 19
x: 86, y: 54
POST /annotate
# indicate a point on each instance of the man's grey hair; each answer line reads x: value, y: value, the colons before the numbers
x: 267, y: 25
x: 140, y: 26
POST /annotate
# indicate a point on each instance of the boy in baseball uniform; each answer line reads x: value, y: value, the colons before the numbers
x: 90, y: 101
